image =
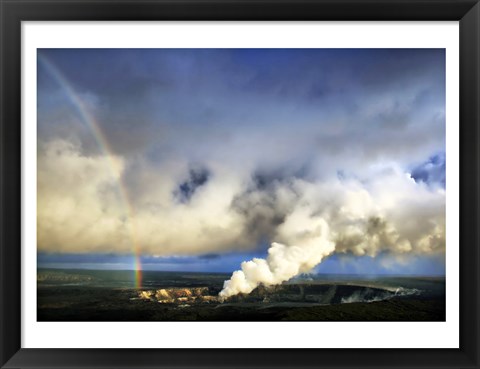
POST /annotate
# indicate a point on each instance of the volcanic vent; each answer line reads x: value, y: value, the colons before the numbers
x: 322, y: 294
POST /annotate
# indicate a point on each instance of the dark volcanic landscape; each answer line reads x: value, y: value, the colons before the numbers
x: 92, y: 295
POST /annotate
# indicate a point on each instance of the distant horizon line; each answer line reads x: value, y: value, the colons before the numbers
x: 228, y: 273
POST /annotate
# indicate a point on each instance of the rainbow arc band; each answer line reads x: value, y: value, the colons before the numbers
x: 90, y: 121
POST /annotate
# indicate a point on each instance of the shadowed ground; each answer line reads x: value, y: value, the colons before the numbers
x: 101, y: 296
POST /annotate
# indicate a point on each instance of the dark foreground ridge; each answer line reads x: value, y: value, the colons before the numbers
x: 84, y: 296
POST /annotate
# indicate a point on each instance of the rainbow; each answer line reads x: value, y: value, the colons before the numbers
x: 106, y: 150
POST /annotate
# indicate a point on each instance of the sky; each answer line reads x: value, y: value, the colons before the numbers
x: 200, y: 159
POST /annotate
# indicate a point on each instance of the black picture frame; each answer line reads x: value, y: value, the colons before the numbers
x: 13, y: 12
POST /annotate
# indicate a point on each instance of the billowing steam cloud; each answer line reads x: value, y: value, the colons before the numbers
x: 401, y: 216
x: 311, y: 243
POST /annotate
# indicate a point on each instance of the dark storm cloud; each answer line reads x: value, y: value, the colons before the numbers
x: 186, y: 101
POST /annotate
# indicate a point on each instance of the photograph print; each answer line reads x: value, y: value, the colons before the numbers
x: 241, y: 185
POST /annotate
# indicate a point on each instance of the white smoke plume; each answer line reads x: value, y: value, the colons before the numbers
x: 394, y: 214
x: 309, y: 243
